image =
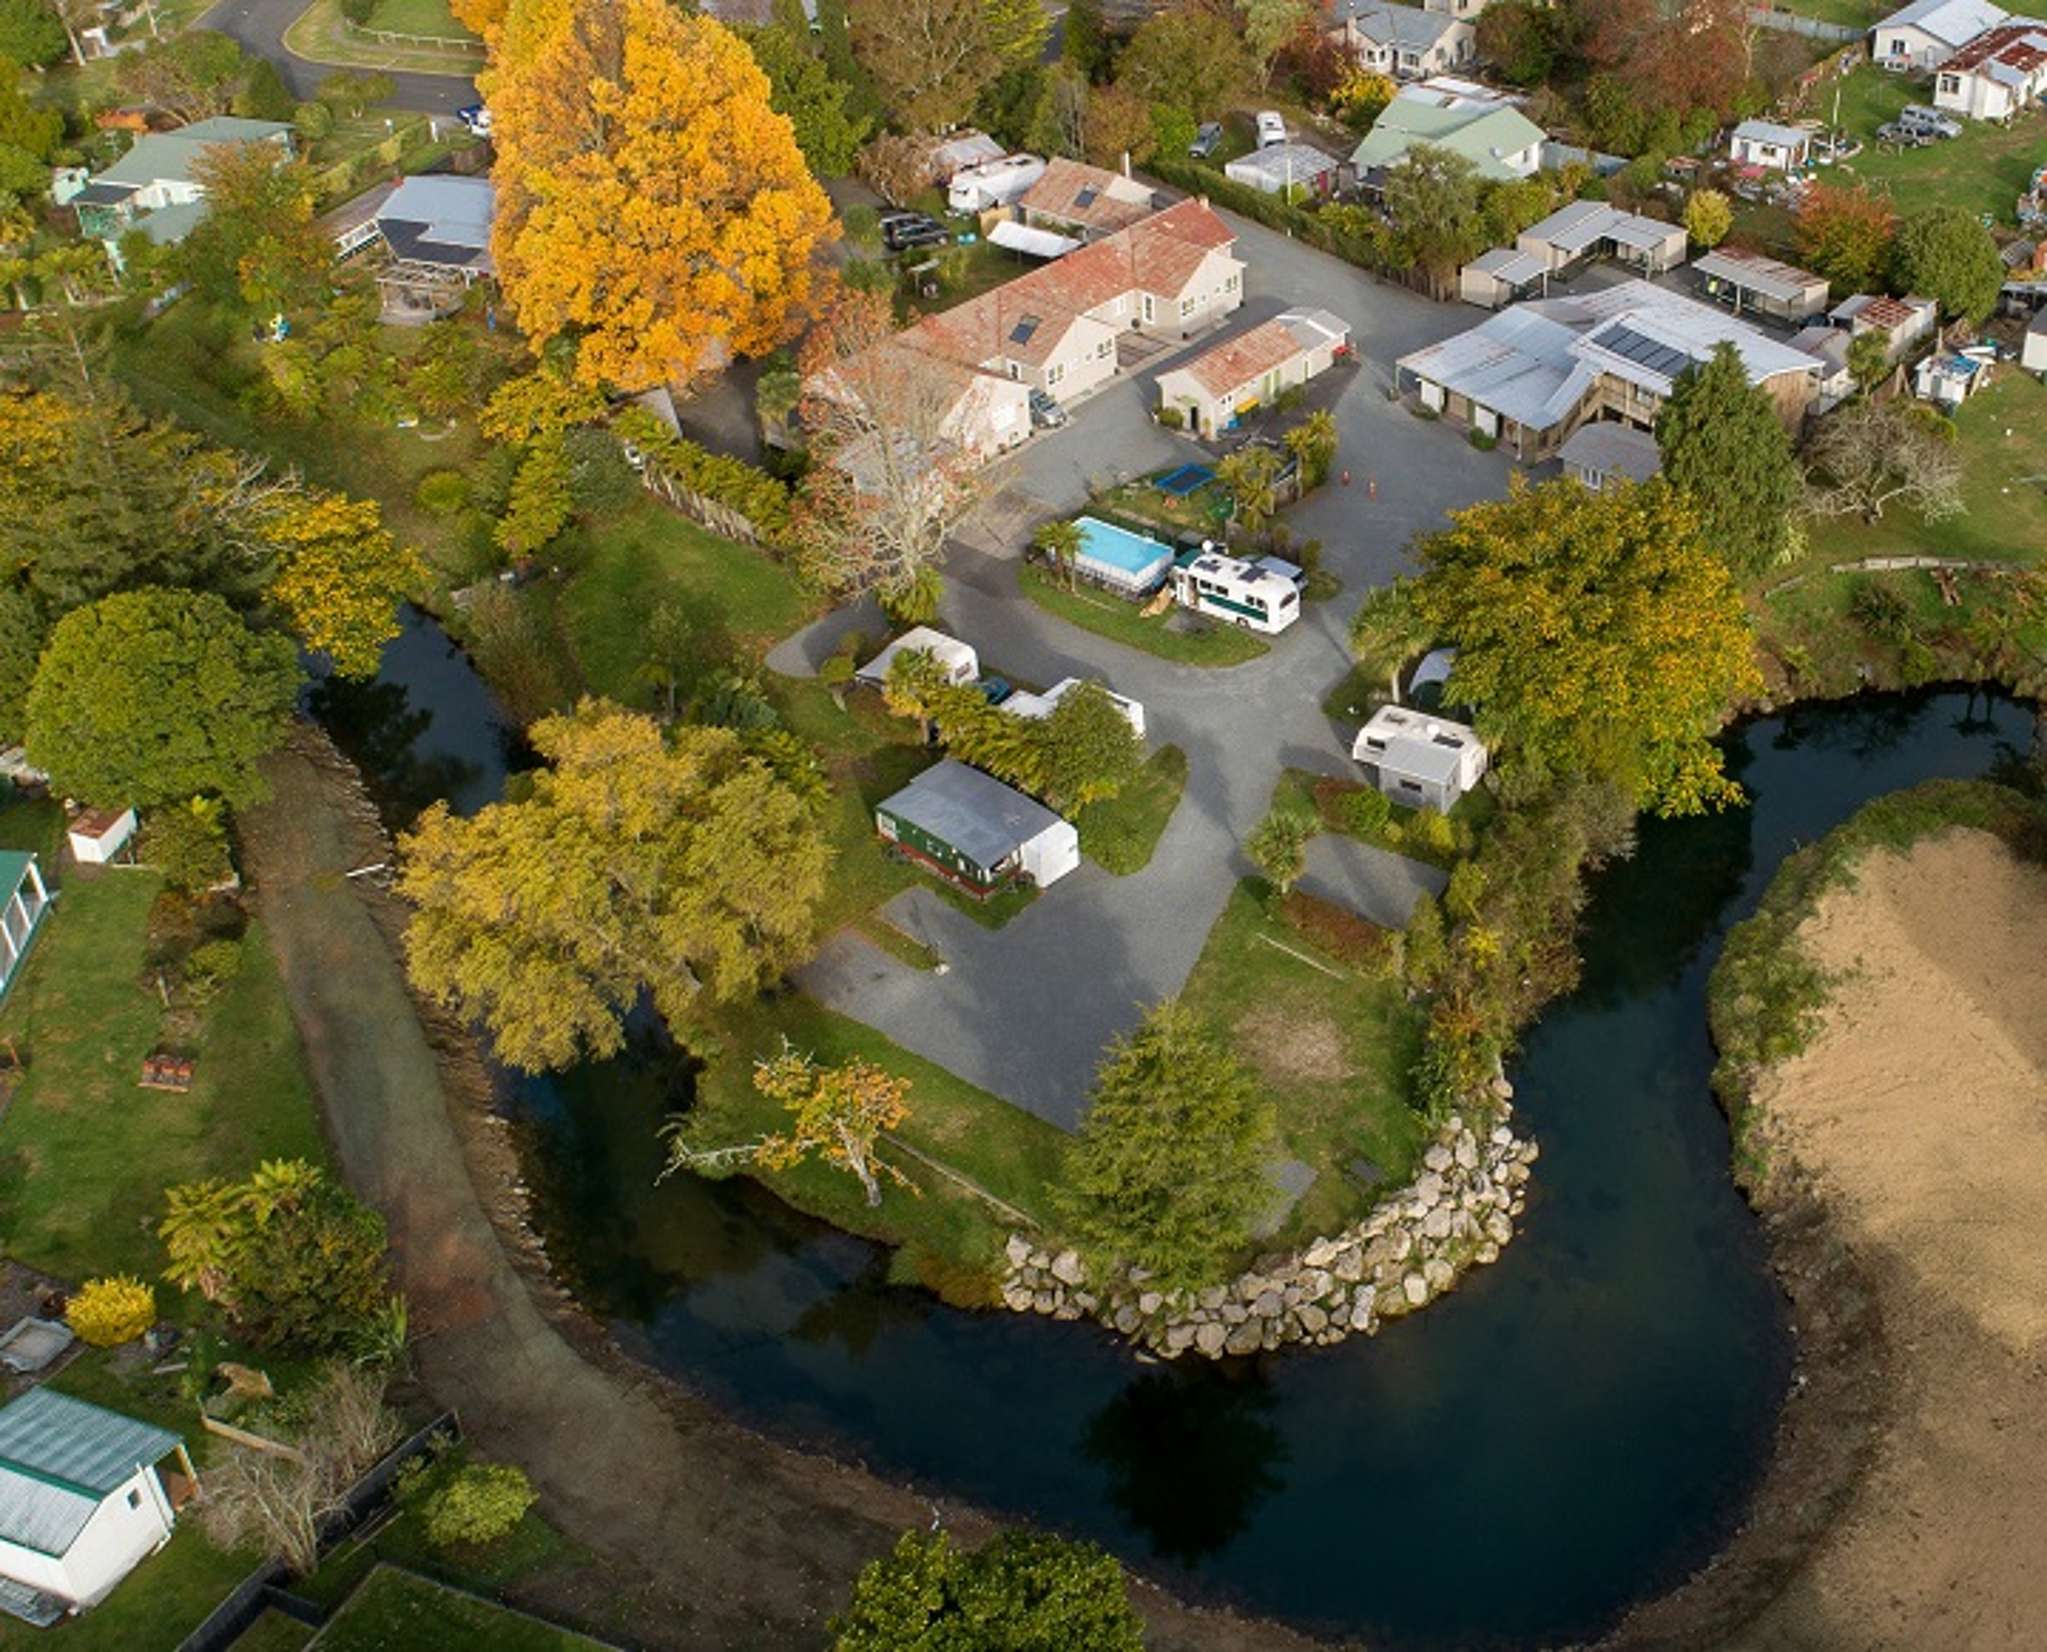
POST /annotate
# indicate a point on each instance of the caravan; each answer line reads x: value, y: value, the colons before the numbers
x: 1251, y: 594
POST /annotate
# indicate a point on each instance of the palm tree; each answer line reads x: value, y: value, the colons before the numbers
x: 1312, y: 442
x: 200, y: 1229
x: 1059, y: 544
x: 278, y: 1184
x: 1252, y: 476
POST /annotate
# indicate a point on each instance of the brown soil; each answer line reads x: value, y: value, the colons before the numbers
x: 1289, y: 1047
x: 1908, y: 1147
x: 703, y: 1534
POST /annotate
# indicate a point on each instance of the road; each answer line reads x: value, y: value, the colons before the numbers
x: 259, y: 25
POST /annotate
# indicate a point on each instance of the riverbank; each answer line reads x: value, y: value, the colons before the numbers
x: 1882, y: 1022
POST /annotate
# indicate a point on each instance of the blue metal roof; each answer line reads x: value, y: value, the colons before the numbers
x: 59, y: 1457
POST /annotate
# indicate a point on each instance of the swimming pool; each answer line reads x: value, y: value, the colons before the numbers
x: 1116, y: 556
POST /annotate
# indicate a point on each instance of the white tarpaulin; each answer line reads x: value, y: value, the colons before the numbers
x: 1039, y: 243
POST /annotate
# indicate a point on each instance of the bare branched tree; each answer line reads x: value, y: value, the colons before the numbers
x: 1870, y: 455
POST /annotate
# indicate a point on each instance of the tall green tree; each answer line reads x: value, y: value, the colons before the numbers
x: 1432, y: 196
x: 1084, y: 39
x: 33, y: 128
x: 1278, y: 847
x: 1596, y: 636
x: 1167, y: 1170
x: 1091, y: 751
x: 930, y: 60
x: 1189, y: 56
x: 803, y: 88
x: 23, y: 632
x: 1944, y: 254
x: 1022, y: 1592
x: 1268, y: 26
x: 680, y: 867
x: 30, y: 34
x: 257, y: 244
x: 1725, y: 448
x: 153, y: 696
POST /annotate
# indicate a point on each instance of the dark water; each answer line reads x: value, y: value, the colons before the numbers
x: 1576, y: 1428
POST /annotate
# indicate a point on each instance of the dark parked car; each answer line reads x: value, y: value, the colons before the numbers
x: 1206, y: 139
x: 903, y: 230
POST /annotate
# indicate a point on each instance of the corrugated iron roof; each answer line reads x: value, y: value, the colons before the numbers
x: 59, y: 1457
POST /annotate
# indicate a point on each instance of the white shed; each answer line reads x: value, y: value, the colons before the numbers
x: 1025, y: 704
x: 2033, y: 352
x: 1419, y: 759
x: 81, y: 1501
x: 1771, y: 144
x: 961, y: 663
x: 98, y: 835
x: 993, y: 183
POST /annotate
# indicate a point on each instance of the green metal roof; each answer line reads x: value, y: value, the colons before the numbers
x: 59, y: 1457
x: 167, y: 157
x: 1484, y: 137
x: 14, y: 865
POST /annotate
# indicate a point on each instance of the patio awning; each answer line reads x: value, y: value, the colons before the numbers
x: 1039, y: 243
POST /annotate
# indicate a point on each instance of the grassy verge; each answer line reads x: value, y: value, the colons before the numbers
x: 1120, y: 621
x: 1332, y: 1045
x: 1766, y: 995
x: 1982, y: 171
x: 1121, y: 833
x: 951, y: 1238
x: 321, y: 35
x: 427, y: 17
x: 87, y: 1154
x: 395, y: 1609
x: 1439, y: 840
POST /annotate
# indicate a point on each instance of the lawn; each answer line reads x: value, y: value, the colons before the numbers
x: 1206, y: 510
x: 425, y: 17
x: 952, y: 1238
x: 1856, y: 14
x: 321, y: 36
x: 1332, y: 1046
x: 963, y: 272
x: 1208, y: 644
x: 396, y: 1609
x: 1982, y: 171
x: 86, y: 1153
x: 1121, y: 833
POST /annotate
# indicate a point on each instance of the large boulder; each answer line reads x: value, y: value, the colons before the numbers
x: 1415, y: 1288
x: 1067, y: 1269
x: 1018, y: 1250
x: 1211, y: 1337
x: 1247, y: 1338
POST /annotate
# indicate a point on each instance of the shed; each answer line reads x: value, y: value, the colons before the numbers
x: 1588, y: 230
x: 1765, y: 286
x: 975, y: 832
x: 1606, y: 451
x: 2033, y: 351
x: 1285, y: 166
x: 1766, y: 143
x: 1419, y: 759
x: 1947, y: 378
x: 98, y: 835
x: 1501, y: 276
x: 25, y: 901
x: 961, y: 663
x: 81, y: 1500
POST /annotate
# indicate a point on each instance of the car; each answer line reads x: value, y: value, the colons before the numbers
x: 1918, y: 117
x: 1902, y: 137
x: 995, y: 689
x: 1271, y: 128
x: 914, y: 229
x: 1208, y: 138
x: 476, y: 117
x: 1046, y: 413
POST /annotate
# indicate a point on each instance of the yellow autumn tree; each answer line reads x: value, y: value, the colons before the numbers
x: 648, y: 198
x: 340, y: 575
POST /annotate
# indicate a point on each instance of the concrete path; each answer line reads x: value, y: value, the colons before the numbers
x: 1375, y: 883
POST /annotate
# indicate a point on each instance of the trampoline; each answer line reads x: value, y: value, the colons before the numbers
x: 1183, y: 481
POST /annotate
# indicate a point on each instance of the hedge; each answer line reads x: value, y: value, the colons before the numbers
x: 730, y: 482
x: 1274, y: 213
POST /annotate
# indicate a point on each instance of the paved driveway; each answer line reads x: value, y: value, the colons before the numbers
x: 1025, y: 1011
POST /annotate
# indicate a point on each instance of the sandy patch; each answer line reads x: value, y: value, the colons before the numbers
x: 1288, y: 1047
x: 1920, y: 1115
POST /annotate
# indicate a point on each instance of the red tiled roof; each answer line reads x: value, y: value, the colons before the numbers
x: 2017, y: 44
x: 1237, y: 361
x: 1111, y: 206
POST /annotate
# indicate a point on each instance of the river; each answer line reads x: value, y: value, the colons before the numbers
x: 1575, y: 1429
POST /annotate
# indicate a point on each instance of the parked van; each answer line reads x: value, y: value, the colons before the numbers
x: 1920, y: 120
x: 1271, y: 128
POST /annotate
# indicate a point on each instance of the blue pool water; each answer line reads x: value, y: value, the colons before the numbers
x: 1133, y: 555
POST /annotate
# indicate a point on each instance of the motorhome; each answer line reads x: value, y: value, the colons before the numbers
x: 1244, y: 593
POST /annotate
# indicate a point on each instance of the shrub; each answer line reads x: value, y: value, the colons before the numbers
x: 313, y: 119
x: 1480, y: 440
x: 1365, y: 813
x: 1339, y: 932
x: 480, y: 1503
x: 1434, y: 830
x: 863, y: 226
x: 1171, y: 418
x: 210, y: 967
x: 442, y: 492
x: 187, y: 843
x: 358, y: 11
x: 109, y: 1312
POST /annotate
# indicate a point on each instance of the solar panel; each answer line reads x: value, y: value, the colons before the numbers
x: 1651, y: 353
x: 1021, y: 332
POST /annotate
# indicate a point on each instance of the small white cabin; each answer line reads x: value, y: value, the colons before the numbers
x: 81, y: 1500
x: 98, y: 835
x: 958, y: 659
x: 1249, y: 594
x: 1025, y: 704
x: 1418, y: 759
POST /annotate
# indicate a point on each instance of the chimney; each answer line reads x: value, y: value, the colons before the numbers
x: 1126, y: 163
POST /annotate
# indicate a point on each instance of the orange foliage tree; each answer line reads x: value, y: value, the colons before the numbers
x: 648, y: 198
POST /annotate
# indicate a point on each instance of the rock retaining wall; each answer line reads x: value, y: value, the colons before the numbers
x: 1459, y: 1212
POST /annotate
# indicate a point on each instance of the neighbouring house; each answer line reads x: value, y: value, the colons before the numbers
x: 96, y: 836
x: 1994, y: 76
x: 1902, y: 322
x: 437, y: 227
x: 2033, y: 350
x: 1289, y: 170
x: 22, y: 910
x: 352, y: 226
x: 82, y: 1500
x: 993, y: 184
x: 1458, y: 115
x: 1767, y: 144
x: 985, y: 414
x: 1929, y: 31
x: 957, y: 659
x: 1085, y: 202
x: 1607, y: 451
x: 1249, y: 594
x: 1762, y: 286
x: 1829, y: 347
x: 1401, y: 41
x: 1039, y: 706
x: 1947, y: 378
x: 1419, y: 759
x: 1533, y: 373
x: 1215, y: 389
x: 973, y: 831
x: 1586, y: 231
x: 1505, y: 275
x: 155, y: 187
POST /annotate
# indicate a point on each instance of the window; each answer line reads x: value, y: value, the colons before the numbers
x: 1950, y: 83
x: 1021, y: 332
x: 1230, y: 285
x: 1411, y: 786
x: 134, y: 1499
x: 1055, y: 372
x: 1186, y: 308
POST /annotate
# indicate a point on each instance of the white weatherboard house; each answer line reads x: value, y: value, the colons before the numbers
x: 1215, y: 388
x: 81, y: 1501
x: 1418, y: 759
x: 957, y: 659
x: 1996, y: 75
x: 974, y: 831
x: 1929, y: 31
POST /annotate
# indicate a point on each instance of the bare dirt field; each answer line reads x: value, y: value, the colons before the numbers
x: 1919, y: 1119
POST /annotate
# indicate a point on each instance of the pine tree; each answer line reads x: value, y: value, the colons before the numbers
x: 1724, y: 447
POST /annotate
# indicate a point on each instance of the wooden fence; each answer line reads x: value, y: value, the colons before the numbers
x: 434, y: 42
x: 701, y: 509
